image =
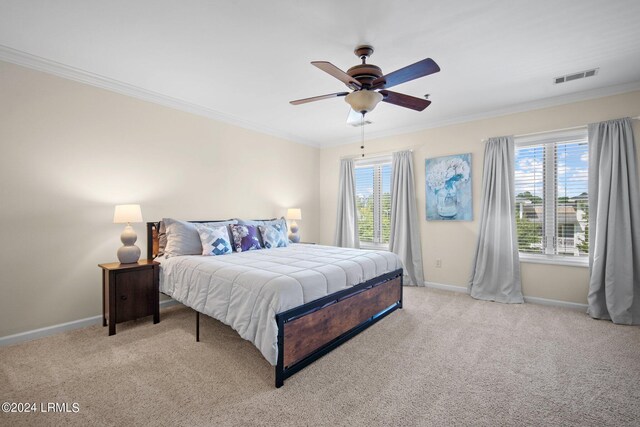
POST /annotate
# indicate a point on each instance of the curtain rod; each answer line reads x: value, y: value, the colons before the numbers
x: 378, y: 153
x: 541, y: 133
x: 551, y: 131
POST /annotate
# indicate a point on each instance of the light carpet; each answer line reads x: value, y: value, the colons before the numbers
x: 445, y: 359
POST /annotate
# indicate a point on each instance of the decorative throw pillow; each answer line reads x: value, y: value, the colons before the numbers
x: 245, y: 237
x: 183, y: 237
x: 274, y: 235
x: 215, y: 239
x: 257, y: 223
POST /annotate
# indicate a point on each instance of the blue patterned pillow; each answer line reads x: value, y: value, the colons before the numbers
x: 245, y: 237
x: 274, y: 235
x: 215, y: 239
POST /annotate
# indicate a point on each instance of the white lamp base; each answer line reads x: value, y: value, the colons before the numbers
x: 294, y: 237
x: 128, y: 253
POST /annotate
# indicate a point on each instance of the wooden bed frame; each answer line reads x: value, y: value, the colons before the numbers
x: 310, y: 331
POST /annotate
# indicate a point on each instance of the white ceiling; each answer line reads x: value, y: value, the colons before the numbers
x: 243, y: 61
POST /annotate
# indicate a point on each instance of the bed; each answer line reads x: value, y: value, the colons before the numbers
x: 294, y: 303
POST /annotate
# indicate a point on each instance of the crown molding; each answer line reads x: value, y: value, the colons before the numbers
x: 513, y: 109
x: 38, y: 63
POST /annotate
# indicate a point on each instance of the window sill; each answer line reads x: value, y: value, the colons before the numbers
x: 555, y: 260
x: 374, y: 246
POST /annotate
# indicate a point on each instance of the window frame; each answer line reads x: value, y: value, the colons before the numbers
x: 377, y: 163
x: 549, y: 139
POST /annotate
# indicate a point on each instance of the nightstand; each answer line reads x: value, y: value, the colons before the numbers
x: 130, y: 291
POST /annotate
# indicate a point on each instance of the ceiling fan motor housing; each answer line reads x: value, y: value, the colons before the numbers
x: 365, y: 73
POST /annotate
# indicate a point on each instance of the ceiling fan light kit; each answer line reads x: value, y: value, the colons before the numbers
x: 364, y: 100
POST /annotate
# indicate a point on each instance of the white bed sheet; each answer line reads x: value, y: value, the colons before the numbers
x: 246, y: 290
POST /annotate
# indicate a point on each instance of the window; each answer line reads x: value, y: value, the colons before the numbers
x: 373, y: 201
x: 551, y: 187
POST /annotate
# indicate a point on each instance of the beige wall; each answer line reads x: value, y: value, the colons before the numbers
x: 70, y: 152
x: 454, y: 242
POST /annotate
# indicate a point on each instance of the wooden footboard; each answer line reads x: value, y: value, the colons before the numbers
x: 308, y: 332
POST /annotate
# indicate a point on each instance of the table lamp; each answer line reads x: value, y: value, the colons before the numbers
x: 127, y: 214
x: 294, y: 214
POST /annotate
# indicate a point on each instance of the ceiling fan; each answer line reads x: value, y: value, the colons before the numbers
x: 370, y: 86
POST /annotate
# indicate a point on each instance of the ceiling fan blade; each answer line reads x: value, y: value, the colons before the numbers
x: 408, y: 73
x: 354, y: 118
x: 336, y: 72
x: 318, y: 98
x: 403, y: 100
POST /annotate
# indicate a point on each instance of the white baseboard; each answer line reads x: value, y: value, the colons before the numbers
x: 62, y: 327
x: 444, y: 287
x: 556, y: 303
x: 532, y: 300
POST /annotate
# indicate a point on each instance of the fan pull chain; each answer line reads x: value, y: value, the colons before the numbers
x: 362, y: 133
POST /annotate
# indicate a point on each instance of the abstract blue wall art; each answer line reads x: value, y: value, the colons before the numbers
x: 448, y: 188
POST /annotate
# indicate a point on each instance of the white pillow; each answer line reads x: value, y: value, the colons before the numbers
x: 183, y: 237
x: 214, y: 239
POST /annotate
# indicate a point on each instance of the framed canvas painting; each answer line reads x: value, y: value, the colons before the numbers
x: 448, y: 188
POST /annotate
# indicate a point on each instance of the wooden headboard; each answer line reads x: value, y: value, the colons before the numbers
x: 153, y: 239
x: 153, y: 234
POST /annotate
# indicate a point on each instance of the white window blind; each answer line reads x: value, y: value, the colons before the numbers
x: 373, y: 201
x: 551, y: 187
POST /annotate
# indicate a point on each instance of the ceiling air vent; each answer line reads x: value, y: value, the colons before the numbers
x: 575, y: 76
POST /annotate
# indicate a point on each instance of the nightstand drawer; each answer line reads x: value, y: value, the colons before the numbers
x: 134, y: 295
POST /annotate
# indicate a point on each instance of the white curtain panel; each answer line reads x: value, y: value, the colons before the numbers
x: 495, y: 272
x: 346, y: 221
x: 614, y: 223
x: 405, y: 228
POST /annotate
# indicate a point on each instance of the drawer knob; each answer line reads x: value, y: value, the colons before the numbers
x: 123, y: 297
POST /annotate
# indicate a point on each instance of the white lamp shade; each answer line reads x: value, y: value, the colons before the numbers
x: 294, y: 213
x: 126, y: 214
x: 363, y: 100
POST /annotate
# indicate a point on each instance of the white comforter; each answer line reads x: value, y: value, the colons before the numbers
x: 246, y: 290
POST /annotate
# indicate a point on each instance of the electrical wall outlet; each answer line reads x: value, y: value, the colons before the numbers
x: 438, y: 263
